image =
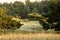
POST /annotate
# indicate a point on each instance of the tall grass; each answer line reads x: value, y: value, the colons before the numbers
x: 24, y: 35
x: 30, y: 36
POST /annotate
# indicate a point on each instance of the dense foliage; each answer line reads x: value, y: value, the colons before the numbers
x: 6, y: 21
x: 48, y: 9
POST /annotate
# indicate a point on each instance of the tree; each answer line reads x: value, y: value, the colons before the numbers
x: 53, y: 13
x: 6, y: 21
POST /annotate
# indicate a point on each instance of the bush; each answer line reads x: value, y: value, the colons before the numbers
x: 8, y: 23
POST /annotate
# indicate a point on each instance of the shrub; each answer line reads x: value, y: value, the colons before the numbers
x: 8, y: 23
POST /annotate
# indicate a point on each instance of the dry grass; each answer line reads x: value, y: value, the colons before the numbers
x: 30, y: 36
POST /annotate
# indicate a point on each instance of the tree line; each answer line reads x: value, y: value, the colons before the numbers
x: 48, y: 9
